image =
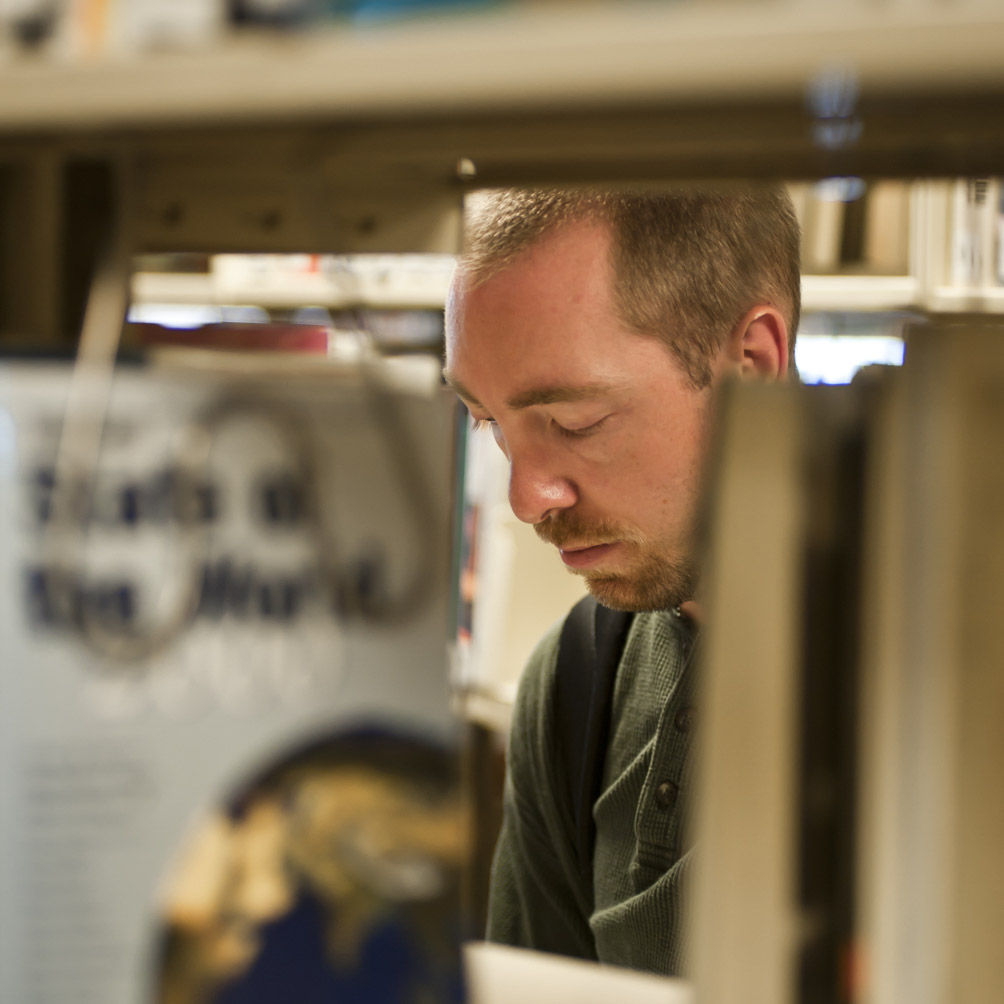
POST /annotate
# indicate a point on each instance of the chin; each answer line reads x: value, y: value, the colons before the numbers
x: 660, y: 587
x: 621, y: 595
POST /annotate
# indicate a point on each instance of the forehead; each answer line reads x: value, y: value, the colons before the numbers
x: 554, y: 298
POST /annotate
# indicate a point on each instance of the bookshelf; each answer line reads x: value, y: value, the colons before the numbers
x: 356, y: 139
x: 365, y: 140
x: 929, y: 223
x: 607, y: 54
x: 938, y: 251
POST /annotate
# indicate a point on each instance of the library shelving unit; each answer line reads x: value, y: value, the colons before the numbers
x: 363, y: 138
x: 948, y: 245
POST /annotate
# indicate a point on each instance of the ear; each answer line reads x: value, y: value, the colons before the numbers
x: 758, y: 344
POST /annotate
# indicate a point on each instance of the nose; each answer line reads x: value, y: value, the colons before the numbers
x: 535, y: 491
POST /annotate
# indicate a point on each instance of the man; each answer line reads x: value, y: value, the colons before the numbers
x: 590, y: 330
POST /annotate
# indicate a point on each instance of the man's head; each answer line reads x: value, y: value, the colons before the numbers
x: 590, y: 329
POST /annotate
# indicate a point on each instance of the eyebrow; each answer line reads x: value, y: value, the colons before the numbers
x: 549, y: 394
x: 557, y: 394
x: 460, y: 389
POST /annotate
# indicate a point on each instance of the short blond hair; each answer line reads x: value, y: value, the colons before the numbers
x: 688, y: 263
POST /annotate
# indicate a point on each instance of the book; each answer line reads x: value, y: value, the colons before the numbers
x: 887, y: 228
x: 229, y: 763
x: 849, y: 815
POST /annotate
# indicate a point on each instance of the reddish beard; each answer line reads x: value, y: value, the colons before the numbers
x: 656, y: 578
x: 568, y: 527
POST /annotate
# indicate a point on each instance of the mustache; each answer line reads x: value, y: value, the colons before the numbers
x: 569, y: 527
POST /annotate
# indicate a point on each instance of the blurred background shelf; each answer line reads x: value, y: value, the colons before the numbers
x: 859, y: 293
x: 981, y: 300
x: 363, y: 138
x: 277, y: 286
x: 448, y: 62
x: 292, y: 281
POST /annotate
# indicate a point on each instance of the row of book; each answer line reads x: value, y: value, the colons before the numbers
x: 850, y: 719
x: 849, y: 225
x: 89, y: 28
x: 977, y: 226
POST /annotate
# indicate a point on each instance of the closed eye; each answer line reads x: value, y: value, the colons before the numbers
x: 481, y: 423
x: 580, y: 433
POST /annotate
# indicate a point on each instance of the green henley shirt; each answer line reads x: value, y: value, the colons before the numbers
x: 633, y: 914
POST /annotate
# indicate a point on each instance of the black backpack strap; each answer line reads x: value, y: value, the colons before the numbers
x: 589, y: 652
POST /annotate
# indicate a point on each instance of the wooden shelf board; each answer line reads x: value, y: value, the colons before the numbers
x: 521, y: 58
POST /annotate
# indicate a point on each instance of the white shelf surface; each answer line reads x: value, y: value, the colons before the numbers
x: 491, y: 707
x: 859, y: 292
x: 982, y: 300
x: 427, y: 288
x: 521, y: 57
x: 167, y: 287
x: 418, y: 282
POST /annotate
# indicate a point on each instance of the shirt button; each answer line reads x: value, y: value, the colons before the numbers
x: 684, y: 720
x: 666, y: 794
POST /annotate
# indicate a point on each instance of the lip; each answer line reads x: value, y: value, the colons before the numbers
x: 585, y: 557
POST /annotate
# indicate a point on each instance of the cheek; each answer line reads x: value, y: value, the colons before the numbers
x: 668, y: 475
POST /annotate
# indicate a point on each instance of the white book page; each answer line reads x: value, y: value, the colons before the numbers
x: 499, y: 974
